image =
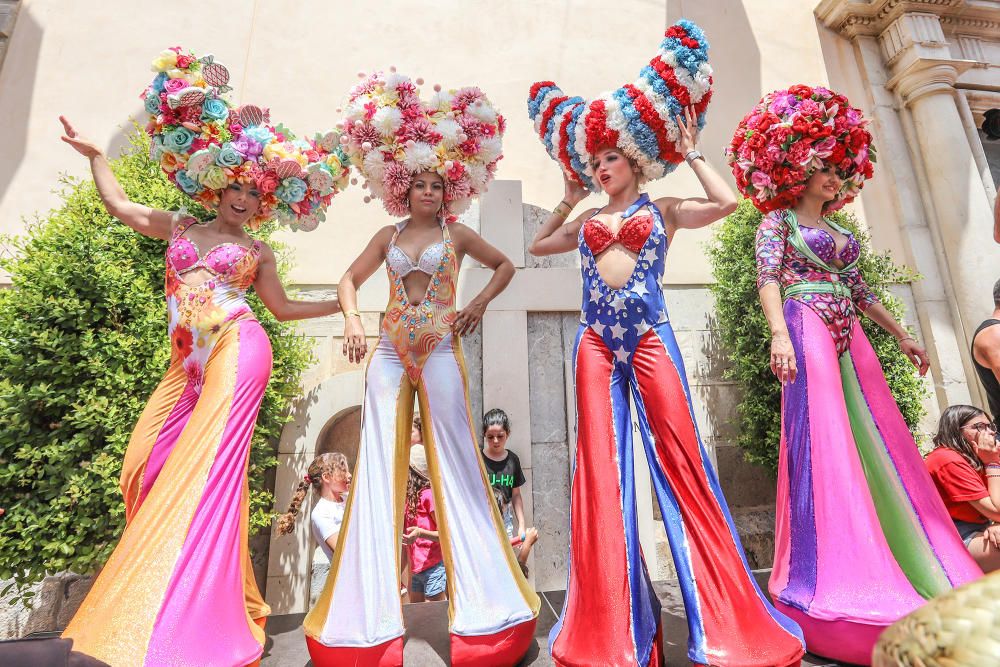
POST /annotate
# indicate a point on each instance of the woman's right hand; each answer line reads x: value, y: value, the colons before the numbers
x: 82, y: 145
x: 783, y: 358
x: 573, y: 192
x: 355, y: 343
x: 986, y: 447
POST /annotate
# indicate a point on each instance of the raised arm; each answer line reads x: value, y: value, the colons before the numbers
x: 693, y: 212
x: 271, y: 292
x: 143, y: 219
x: 556, y: 235
x: 360, y: 270
x: 772, y: 239
x: 467, y: 242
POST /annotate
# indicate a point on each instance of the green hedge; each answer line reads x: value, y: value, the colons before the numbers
x: 83, y: 343
x: 746, y: 336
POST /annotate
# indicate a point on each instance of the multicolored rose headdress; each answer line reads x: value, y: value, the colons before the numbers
x: 203, y: 144
x: 791, y: 133
x: 638, y: 118
x: 391, y: 136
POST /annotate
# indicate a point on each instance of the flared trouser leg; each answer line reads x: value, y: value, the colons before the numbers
x: 357, y: 619
x: 611, y: 615
x: 172, y: 592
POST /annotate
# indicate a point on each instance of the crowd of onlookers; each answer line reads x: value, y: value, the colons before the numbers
x: 422, y: 568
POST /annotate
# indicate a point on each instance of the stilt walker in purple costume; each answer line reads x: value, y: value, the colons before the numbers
x: 625, y: 343
x: 862, y: 536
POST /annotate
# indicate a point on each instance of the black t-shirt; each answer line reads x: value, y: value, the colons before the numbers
x: 506, y: 475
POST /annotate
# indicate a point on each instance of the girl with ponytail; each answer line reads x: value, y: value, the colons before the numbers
x: 330, y: 477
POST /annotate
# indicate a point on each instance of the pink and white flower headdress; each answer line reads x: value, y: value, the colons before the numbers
x: 391, y: 135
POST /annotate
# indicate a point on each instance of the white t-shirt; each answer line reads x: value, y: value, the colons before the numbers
x: 326, y: 518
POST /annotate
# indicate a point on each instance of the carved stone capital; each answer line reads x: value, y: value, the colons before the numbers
x: 926, y: 76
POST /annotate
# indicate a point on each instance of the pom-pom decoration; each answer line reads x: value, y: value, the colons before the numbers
x: 640, y: 118
x: 790, y: 134
x: 203, y: 144
x: 392, y: 135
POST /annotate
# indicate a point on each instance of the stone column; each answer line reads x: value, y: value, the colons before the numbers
x: 923, y: 76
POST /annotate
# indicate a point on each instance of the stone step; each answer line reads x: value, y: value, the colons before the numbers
x: 755, y: 526
x: 427, y: 633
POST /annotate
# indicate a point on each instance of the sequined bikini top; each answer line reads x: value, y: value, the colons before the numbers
x: 229, y: 262
x: 632, y: 234
x: 401, y: 263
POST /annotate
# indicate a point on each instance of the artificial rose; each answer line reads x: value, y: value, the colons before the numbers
x: 761, y: 180
x: 249, y: 148
x: 229, y: 157
x: 214, y: 109
x: 178, y: 140
x: 184, y: 61
x: 267, y: 182
x: 186, y: 183
x: 172, y: 86
x: 801, y: 91
x: 215, y: 178
x: 291, y: 190
x: 800, y: 152
x: 167, y: 60
x: 152, y: 103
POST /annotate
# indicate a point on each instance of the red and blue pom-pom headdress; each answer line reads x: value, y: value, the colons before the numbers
x: 639, y: 118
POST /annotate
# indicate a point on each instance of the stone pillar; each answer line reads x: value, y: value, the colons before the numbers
x: 923, y: 76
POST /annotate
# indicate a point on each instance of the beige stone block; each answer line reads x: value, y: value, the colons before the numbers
x: 500, y: 219
x: 505, y: 374
x: 550, y: 498
x: 288, y: 594
x: 546, y: 378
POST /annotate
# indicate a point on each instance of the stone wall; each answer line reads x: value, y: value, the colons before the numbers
x: 55, y: 601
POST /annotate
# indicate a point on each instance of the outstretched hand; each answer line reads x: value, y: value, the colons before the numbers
x: 916, y: 354
x: 82, y: 145
x: 688, y: 127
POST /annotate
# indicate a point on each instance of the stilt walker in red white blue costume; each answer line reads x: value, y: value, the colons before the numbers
x: 425, y: 161
x: 611, y: 616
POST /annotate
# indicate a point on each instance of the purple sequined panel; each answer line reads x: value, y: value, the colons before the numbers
x: 821, y: 242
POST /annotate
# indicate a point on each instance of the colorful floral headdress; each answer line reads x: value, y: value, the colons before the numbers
x: 204, y: 144
x: 791, y: 133
x: 391, y: 136
x: 638, y: 118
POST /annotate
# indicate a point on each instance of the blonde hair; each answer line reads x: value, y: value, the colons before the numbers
x: 332, y: 462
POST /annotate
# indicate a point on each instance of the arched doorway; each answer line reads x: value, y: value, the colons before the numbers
x: 342, y: 433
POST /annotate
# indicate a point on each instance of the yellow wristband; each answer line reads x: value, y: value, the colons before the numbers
x: 348, y: 313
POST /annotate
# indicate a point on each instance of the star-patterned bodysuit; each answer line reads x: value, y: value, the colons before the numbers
x: 611, y: 613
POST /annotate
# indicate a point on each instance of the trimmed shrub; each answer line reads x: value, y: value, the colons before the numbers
x: 746, y: 335
x: 83, y: 343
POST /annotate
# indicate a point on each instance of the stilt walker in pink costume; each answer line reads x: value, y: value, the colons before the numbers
x: 179, y: 588
x: 424, y: 160
x: 637, y: 133
x: 862, y: 535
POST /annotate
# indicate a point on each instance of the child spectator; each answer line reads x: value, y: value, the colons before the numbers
x: 329, y: 477
x: 428, y: 580
x: 503, y: 469
x: 965, y: 467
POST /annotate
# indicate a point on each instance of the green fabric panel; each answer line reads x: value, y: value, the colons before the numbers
x: 900, y: 524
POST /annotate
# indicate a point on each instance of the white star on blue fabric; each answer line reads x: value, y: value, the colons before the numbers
x: 649, y: 255
x: 598, y: 328
x: 618, y: 331
x: 595, y: 294
x: 621, y: 355
x: 640, y: 289
x: 618, y: 303
x: 641, y: 327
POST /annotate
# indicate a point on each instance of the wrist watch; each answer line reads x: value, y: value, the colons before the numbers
x: 693, y: 155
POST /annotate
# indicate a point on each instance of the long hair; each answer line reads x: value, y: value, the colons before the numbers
x: 950, y: 432
x: 415, y: 484
x: 334, y: 463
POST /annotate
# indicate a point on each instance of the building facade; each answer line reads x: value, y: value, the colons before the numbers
x: 925, y: 71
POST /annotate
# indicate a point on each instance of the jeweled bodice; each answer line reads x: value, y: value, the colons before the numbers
x: 198, y: 312
x: 415, y: 329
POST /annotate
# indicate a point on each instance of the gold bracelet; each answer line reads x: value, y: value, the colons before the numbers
x: 348, y: 313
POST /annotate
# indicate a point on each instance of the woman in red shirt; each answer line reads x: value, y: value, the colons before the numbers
x: 965, y: 467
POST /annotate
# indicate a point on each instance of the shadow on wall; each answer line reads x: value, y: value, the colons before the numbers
x: 119, y: 142
x: 736, y: 66
x: 23, y: 61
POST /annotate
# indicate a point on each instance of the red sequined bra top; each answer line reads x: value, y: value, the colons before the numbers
x: 632, y: 234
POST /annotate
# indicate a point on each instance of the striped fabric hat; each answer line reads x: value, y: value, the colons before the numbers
x: 639, y: 118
